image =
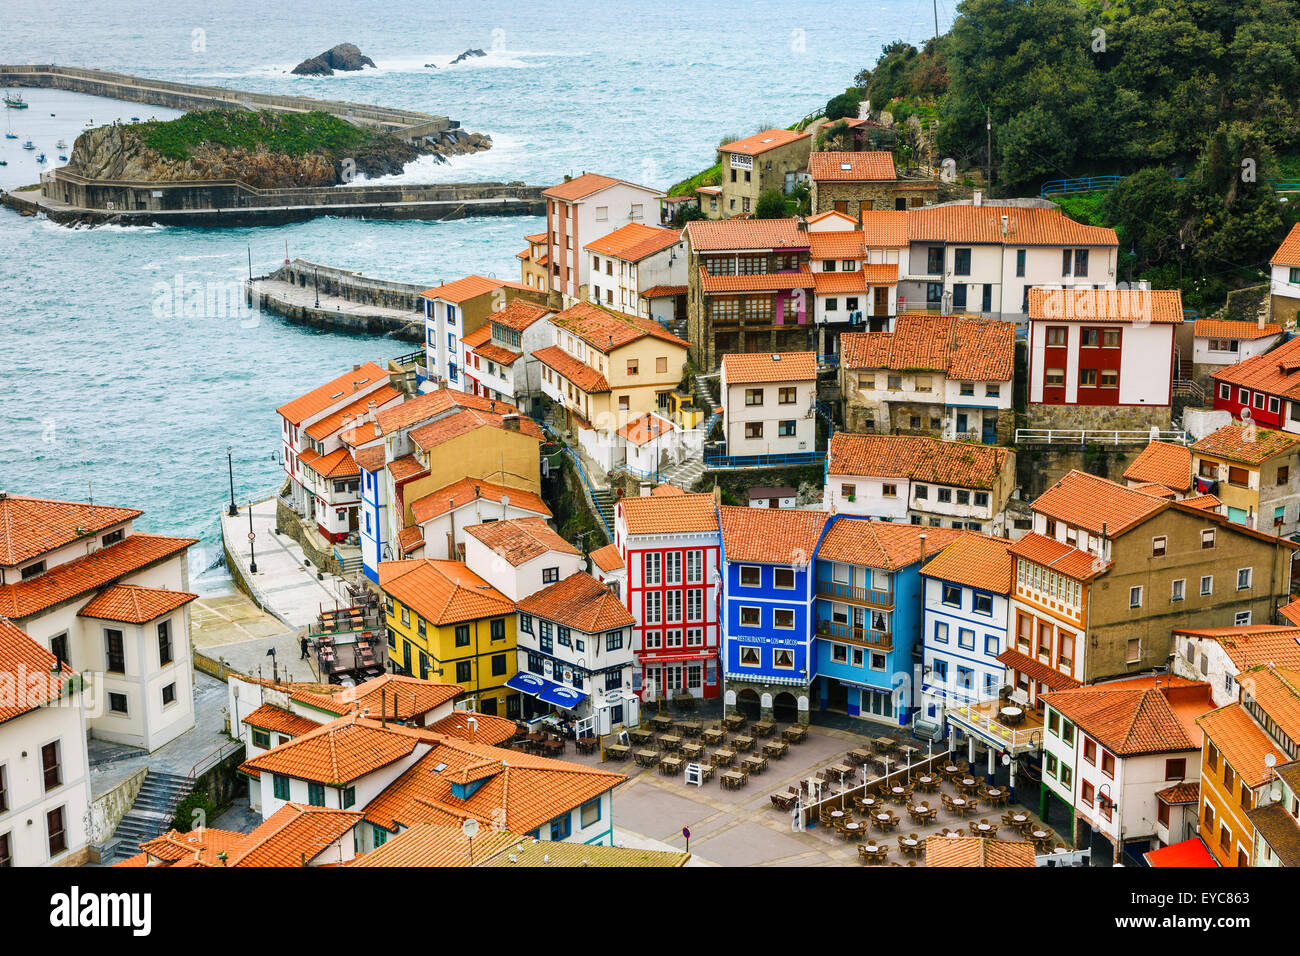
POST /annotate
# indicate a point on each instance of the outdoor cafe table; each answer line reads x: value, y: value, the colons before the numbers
x: 776, y: 748
x: 951, y: 768
x: 868, y: 803
x: 670, y: 741
x: 640, y: 735
x: 618, y: 751
x: 715, y: 735
x: 734, y: 721
x: 764, y: 728
x: 909, y: 842
x: 853, y: 830
x: 796, y: 733
x: 661, y: 721
x: 837, y: 814
x: 743, y: 743
x: 646, y: 758
x: 731, y: 780
x: 984, y: 827
x: 858, y: 756
x: 926, y: 779
x: 689, y: 728
x: 841, y: 770
x: 670, y: 765
x: 692, y: 750
x: 1019, y: 819
x: 755, y: 763
x: 724, y: 756
x: 966, y: 783
x: 884, y: 744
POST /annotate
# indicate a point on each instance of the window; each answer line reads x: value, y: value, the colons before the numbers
x: 349, y: 797
x: 52, y: 765
x: 1056, y: 336
x: 1020, y: 262
x: 786, y: 428
x: 889, y: 490
x: 839, y: 654
x: 1158, y: 546
x: 526, y: 623
x: 983, y: 604
x: 1135, y: 596
x: 753, y: 396
x: 55, y: 828
x: 787, y: 395
x: 114, y: 651
x: 315, y: 794
x: 992, y: 646
x: 589, y: 814
x: 1244, y: 578
x: 1108, y: 763
x: 632, y: 366
x: 783, y: 659
x: 661, y: 364
x: 613, y: 640
x: 498, y: 665
x: 1179, y: 589
x: 1241, y: 618
x: 1207, y: 585
x: 1207, y: 539
x: 961, y: 262
x: 464, y: 672
x: 965, y: 639
x: 1229, y: 778
x: 850, y: 492
x: 261, y: 738
x: 753, y: 430
x: 1283, y: 474
x: 951, y: 595
x: 1054, y: 376
x: 550, y: 575
x: 117, y: 703
x: 562, y: 827
x: 1067, y: 733
x: 169, y: 694
x: 749, y: 656
x: 1087, y: 794
x: 750, y: 617
x: 164, y: 643
x: 1090, y: 751
x: 462, y: 635
x: 941, y: 632
x: 1176, y: 768
x: 783, y: 618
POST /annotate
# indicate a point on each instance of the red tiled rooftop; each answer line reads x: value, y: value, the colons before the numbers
x: 30, y: 527
x: 321, y: 398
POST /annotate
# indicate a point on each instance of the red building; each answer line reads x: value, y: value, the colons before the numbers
x: 1265, y: 388
x: 670, y: 547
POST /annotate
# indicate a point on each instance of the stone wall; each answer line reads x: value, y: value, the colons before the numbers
x: 732, y: 686
x: 407, y: 328
x: 288, y: 522
x: 1098, y: 417
x: 1038, y: 467
x: 107, y: 810
x: 879, y: 195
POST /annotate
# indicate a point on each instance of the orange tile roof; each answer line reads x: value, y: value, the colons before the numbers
x: 479, y: 336
x: 398, y: 696
x: 763, y: 282
x: 518, y: 540
x: 371, y: 458
x: 1241, y: 743
x: 292, y: 835
x: 785, y: 536
x: 658, y: 514
x: 975, y: 561
x: 644, y: 429
x: 1250, y: 445
x: 524, y: 793
x: 759, y: 143
x: 1231, y: 329
x: 335, y: 421
x: 442, y: 592
x: 1276, y: 372
x: 437, y: 845
x: 1154, y: 306
x: 608, y: 559
x: 1147, y: 716
x: 841, y: 167
x: 337, y: 753
x: 463, y: 422
x: 634, y: 241
x: 464, y: 289
x: 840, y: 217
x: 430, y: 405
x: 21, y: 659
x: 1086, y: 501
x: 499, y: 354
x: 958, y: 463
x: 858, y: 280
x: 975, y: 350
x: 405, y: 467
x: 337, y: 464
x: 741, y: 368
x: 105, y: 566
x: 1291, y: 611
x: 663, y: 291
x: 1180, y: 793
x: 410, y: 539
x: 464, y: 492
x: 132, y: 604
x: 519, y: 315
x: 580, y: 187
x: 884, y: 228
x: 198, y: 847
x: 1037, y: 670
x: 983, y: 224
x: 977, y: 851
x: 30, y: 527
x: 579, y: 602
x: 882, y: 544
x: 488, y: 728
x: 1250, y: 645
x: 1204, y: 502
x: 1154, y: 489
x: 1276, y: 690
x: 321, y: 398
x: 1288, y: 254
x: 580, y: 374
x: 1163, y: 463
x: 661, y: 490
x: 846, y: 244
x: 280, y: 721
x: 1062, y: 558
x: 605, y: 330
x: 718, y: 235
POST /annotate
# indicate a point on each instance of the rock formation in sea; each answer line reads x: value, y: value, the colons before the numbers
x: 345, y: 57
x: 466, y: 55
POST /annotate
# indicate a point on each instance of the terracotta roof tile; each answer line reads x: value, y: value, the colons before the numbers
x: 663, y: 291
x: 845, y: 244
x: 195, y: 848
x: 717, y: 235
x: 1291, y: 611
x: 519, y: 315
x: 644, y: 429
x: 463, y: 422
x: 1062, y: 558
x: 605, y: 330
x: 464, y: 289
x: 461, y: 493
x: 405, y: 467
x: 1204, y: 502
x: 1180, y: 793
x: 1163, y: 463
x: 1154, y: 489
x: 1037, y: 670
x: 1086, y: 501
x: 1250, y: 645
x: 430, y: 405
x: 1248, y: 444
x: 1151, y: 306
x: 518, y: 540
x: 655, y: 514
x: 977, y: 851
x: 410, y: 539
x: 292, y: 835
x: 336, y: 753
x: 608, y: 559
x: 1231, y: 329
x: 858, y: 280
x: 1274, y: 825
x: 884, y: 229
x: 583, y: 376
x: 537, y: 853
x: 579, y: 602
x: 105, y: 566
x: 334, y: 421
x: 760, y: 143
x: 958, y: 463
x: 881, y: 544
x: 852, y: 167
x: 370, y: 459
x: 785, y: 536
x: 437, y: 844
x: 983, y: 224
x: 1288, y: 254
x: 398, y: 696
x: 1241, y: 743
x: 1131, y: 718
x: 132, y: 604
x: 975, y: 350
x: 635, y: 241
x: 1276, y: 372
x: 21, y: 661
x: 975, y: 561
x: 580, y: 187
x: 29, y: 527
x: 479, y: 336
x: 279, y: 721
x: 1276, y: 690
x: 442, y: 592
x: 322, y: 397
x: 666, y: 490
x: 740, y: 368
x: 802, y: 278
x: 488, y: 729
x: 337, y: 464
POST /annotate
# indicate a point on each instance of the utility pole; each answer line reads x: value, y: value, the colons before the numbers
x: 988, y: 148
x: 936, y: 19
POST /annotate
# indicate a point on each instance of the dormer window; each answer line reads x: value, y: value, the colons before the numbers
x: 33, y: 569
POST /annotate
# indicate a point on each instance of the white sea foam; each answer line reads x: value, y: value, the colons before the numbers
x: 501, y: 162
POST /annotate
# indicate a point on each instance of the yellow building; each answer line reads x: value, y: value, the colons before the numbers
x: 448, y: 624
x: 534, y: 263
x: 1256, y: 477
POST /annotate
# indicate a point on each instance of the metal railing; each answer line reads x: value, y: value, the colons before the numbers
x: 1082, y: 436
x: 726, y: 462
x: 878, y: 640
x: 1081, y: 184
x: 1014, y: 739
x: 851, y: 592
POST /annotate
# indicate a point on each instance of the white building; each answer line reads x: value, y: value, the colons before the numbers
x: 44, y: 770
x: 770, y: 402
x: 442, y: 517
x: 855, y: 270
x: 631, y: 260
x: 920, y: 480
x: 1217, y: 655
x: 104, y: 599
x: 452, y: 310
x: 1217, y: 342
x: 1284, y: 279
x: 585, y: 208
x: 498, y: 354
x: 520, y: 556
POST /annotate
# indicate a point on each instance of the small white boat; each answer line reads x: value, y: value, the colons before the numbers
x: 29, y: 145
x: 62, y: 144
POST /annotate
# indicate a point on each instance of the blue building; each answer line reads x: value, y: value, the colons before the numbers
x: 768, y: 598
x: 373, y: 517
x: 967, y: 608
x: 868, y: 617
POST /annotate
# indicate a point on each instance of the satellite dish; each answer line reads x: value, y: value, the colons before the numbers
x: 1270, y: 761
x: 469, y: 828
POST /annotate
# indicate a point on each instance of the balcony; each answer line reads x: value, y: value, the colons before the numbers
x: 855, y: 595
x: 861, y: 636
x: 982, y: 720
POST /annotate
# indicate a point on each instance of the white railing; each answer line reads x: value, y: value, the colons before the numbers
x: 1082, y: 436
x: 1014, y: 739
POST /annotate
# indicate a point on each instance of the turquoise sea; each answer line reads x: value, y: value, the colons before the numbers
x: 119, y: 382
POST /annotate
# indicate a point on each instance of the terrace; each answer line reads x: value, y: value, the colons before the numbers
x: 1005, y: 724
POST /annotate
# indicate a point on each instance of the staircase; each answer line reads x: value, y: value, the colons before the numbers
x: 150, y: 814
x: 705, y: 397
x: 604, y: 499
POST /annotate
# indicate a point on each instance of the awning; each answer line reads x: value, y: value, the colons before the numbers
x: 529, y: 683
x: 561, y: 696
x: 1188, y: 853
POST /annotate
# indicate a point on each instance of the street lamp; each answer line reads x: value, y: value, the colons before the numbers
x: 252, y: 536
x: 316, y: 285
x: 230, y: 466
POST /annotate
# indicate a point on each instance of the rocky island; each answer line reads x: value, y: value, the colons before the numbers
x: 346, y: 57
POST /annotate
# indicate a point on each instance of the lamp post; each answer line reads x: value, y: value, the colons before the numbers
x: 316, y: 285
x: 252, y: 536
x: 230, y: 466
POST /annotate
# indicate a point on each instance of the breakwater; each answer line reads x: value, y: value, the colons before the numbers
x: 309, y: 293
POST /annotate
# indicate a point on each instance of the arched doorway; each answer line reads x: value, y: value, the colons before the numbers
x: 747, y: 704
x: 785, y: 709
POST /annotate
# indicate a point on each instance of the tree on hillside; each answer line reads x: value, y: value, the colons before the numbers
x: 770, y: 205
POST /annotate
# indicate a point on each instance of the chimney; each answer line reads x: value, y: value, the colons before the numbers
x: 356, y: 367
x: 1005, y: 220
x: 510, y: 423
x: 1260, y: 320
x: 978, y: 198
x: 378, y: 433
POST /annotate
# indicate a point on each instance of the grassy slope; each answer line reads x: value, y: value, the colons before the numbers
x: 295, y: 134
